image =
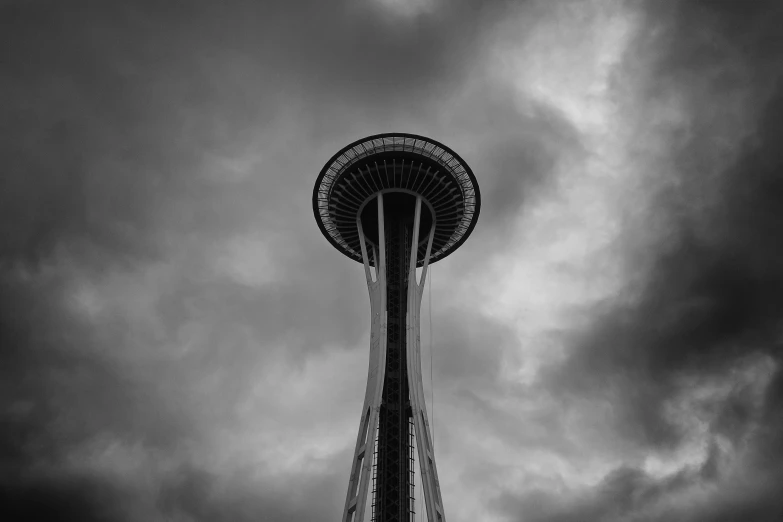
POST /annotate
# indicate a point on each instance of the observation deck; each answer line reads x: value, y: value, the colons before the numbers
x: 348, y: 184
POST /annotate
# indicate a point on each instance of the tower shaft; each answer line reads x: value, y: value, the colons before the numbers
x: 394, y: 397
x: 393, y: 469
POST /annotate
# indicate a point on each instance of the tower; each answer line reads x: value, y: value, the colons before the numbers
x: 395, y: 203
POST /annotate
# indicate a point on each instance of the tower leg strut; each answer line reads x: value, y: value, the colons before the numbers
x: 429, y: 472
x: 361, y: 466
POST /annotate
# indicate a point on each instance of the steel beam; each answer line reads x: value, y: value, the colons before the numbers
x: 361, y: 467
x: 429, y: 472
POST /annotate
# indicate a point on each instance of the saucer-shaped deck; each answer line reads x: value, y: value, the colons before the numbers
x: 396, y: 165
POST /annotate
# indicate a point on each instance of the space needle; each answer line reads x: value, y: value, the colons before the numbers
x: 395, y: 202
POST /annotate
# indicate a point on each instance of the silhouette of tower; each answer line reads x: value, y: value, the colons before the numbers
x: 395, y: 203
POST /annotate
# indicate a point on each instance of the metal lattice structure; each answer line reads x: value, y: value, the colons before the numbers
x: 395, y: 203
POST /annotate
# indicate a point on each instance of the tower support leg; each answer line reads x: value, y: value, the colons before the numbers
x: 429, y: 472
x: 361, y: 466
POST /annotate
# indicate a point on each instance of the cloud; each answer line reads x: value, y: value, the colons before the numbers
x: 178, y: 342
x: 705, y: 286
x: 52, y: 500
x: 147, y: 144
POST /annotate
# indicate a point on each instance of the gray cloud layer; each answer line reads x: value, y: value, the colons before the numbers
x: 712, y: 300
x: 133, y: 361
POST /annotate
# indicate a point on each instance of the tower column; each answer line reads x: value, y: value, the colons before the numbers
x: 361, y: 467
x: 395, y: 458
x: 429, y: 473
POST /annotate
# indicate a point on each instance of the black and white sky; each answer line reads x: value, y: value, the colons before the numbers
x: 178, y: 342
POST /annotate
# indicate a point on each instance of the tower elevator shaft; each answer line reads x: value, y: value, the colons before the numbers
x: 394, y: 467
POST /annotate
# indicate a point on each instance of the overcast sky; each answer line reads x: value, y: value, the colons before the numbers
x: 178, y: 342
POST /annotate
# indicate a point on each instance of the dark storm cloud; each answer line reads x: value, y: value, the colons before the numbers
x: 108, y: 107
x: 71, y: 500
x: 111, y: 115
x: 711, y: 296
x: 714, y: 296
x: 519, y: 155
x: 59, y: 388
x: 515, y: 145
x: 631, y: 494
x: 471, y: 347
x: 202, y: 495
